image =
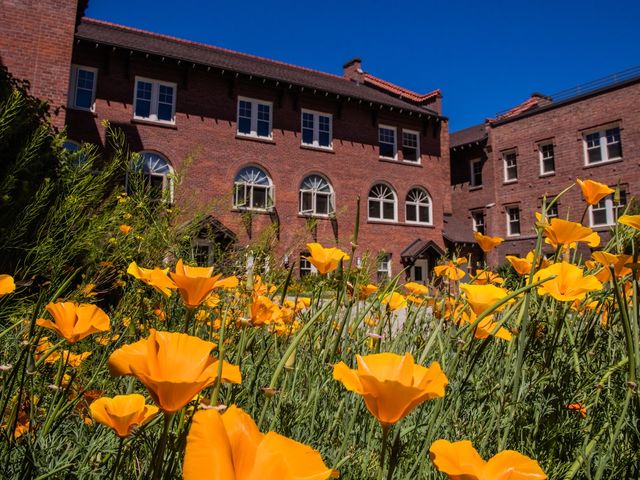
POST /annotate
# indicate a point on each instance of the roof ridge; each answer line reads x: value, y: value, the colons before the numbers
x: 211, y: 47
x: 401, y: 90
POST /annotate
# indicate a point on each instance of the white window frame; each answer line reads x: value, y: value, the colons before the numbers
x: 167, y: 178
x: 316, y: 129
x: 155, y: 100
x: 382, y: 202
x: 73, y: 87
x: 506, y: 166
x: 542, y: 158
x: 550, y: 211
x: 418, y: 159
x: 395, y: 141
x: 509, y: 209
x: 254, y: 117
x: 611, y: 210
x: 476, y: 224
x: 418, y: 205
x: 313, y: 212
x: 383, y: 260
x: 472, y: 163
x: 248, y: 189
x: 306, y: 266
x: 604, y: 151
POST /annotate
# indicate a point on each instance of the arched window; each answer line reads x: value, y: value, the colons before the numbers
x: 382, y: 203
x: 316, y: 196
x: 156, y: 171
x: 253, y: 190
x: 418, y: 206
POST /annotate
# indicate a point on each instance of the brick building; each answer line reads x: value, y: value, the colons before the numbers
x: 261, y: 146
x: 501, y: 169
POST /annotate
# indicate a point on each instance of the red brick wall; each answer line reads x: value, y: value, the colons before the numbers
x: 206, y: 128
x: 36, y: 39
x: 564, y: 125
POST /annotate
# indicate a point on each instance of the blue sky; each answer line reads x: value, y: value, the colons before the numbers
x: 485, y: 56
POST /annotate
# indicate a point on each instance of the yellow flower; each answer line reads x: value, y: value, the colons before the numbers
x: 122, y: 413
x: 7, y: 285
x: 630, y: 221
x: 563, y: 232
x: 125, y: 228
x: 173, y: 366
x: 394, y: 301
x: 619, y: 263
x: 569, y: 284
x: 195, y: 284
x: 484, y: 277
x: 450, y: 270
x: 156, y: 278
x: 365, y: 291
x: 263, y: 311
x: 593, y: 192
x: 392, y: 385
x: 486, y: 242
x: 483, y: 297
x: 523, y: 265
x: 74, y: 321
x: 416, y: 288
x: 460, y: 461
x: 230, y: 446
x: 325, y: 259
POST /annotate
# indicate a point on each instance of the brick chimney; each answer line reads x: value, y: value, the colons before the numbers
x: 353, y: 70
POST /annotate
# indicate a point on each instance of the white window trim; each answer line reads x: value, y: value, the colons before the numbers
x: 395, y: 206
x: 418, y: 160
x: 473, y: 162
x: 504, y: 165
x: 395, y: 142
x: 388, y: 265
x: 609, y: 212
x: 417, y: 205
x: 508, y: 209
x: 73, y: 87
x: 314, y: 196
x: 312, y: 270
x: 153, y: 111
x: 254, y: 117
x: 167, y: 179
x: 541, y: 158
x: 604, y: 153
x: 473, y: 220
x: 316, y: 129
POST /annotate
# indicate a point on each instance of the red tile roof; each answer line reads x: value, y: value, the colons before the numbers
x: 400, y: 91
x: 107, y: 33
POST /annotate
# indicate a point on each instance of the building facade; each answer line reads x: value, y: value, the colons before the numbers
x: 263, y: 147
x: 502, y: 169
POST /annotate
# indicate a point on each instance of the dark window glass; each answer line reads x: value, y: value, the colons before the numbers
x: 322, y: 204
x: 424, y: 214
x: 411, y: 213
x: 374, y: 209
x: 259, y: 197
x: 244, y: 117
x: 388, y: 211
x: 307, y: 204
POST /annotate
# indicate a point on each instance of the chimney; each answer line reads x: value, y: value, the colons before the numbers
x: 353, y: 70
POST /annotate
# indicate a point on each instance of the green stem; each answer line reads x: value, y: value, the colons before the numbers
x: 160, y: 448
x: 114, y: 470
x: 383, y: 450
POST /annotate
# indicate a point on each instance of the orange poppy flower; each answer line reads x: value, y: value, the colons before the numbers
x: 483, y: 297
x: 459, y: 460
x: 416, y: 288
x: 630, y: 221
x: 325, y: 259
x: 195, y: 284
x: 125, y: 228
x: 485, y: 277
x: 563, y: 232
x: 392, y: 385
x: 365, y: 291
x: 486, y: 242
x: 74, y: 321
x: 619, y: 263
x: 263, y: 311
x: 230, y: 446
x: 122, y: 413
x: 523, y: 265
x: 394, y: 301
x: 450, y: 269
x: 7, y: 285
x: 173, y: 366
x: 156, y: 278
x: 577, y: 407
x: 484, y: 328
x: 569, y: 284
x: 593, y: 192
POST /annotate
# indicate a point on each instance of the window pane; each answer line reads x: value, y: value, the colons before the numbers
x: 324, y: 139
x: 244, y: 117
x: 411, y: 213
x: 595, y: 155
x: 386, y: 150
x: 614, y: 150
x: 374, y: 209
x: 322, y: 204
x: 240, y: 199
x: 165, y: 103
x: 263, y: 128
x: 307, y: 136
x: 155, y: 183
x: 307, y: 204
x: 548, y: 165
x: 424, y: 214
x: 599, y: 216
x: 264, y: 120
x: 388, y: 210
x: 244, y: 125
x: 165, y: 112
x: 410, y: 153
x: 83, y: 98
x: 259, y: 197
